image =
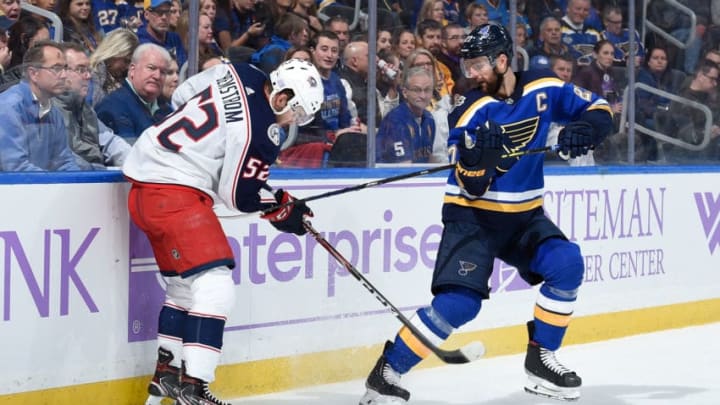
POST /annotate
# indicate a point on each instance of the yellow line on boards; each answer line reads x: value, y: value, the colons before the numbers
x: 284, y: 373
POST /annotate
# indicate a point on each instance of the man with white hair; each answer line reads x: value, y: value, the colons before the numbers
x: 579, y: 37
x: 134, y: 107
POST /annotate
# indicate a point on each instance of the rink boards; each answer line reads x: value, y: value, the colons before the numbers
x: 80, y: 294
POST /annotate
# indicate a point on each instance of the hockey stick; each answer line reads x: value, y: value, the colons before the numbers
x: 465, y: 354
x: 553, y: 148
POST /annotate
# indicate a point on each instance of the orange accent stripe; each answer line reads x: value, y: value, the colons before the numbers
x: 551, y: 317
x: 413, y: 343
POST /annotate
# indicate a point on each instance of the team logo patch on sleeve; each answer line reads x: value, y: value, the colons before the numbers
x: 466, y: 267
x: 274, y: 132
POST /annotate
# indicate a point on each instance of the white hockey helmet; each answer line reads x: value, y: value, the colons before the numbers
x: 304, y: 80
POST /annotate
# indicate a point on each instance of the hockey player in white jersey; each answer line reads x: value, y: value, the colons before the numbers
x: 493, y: 209
x: 216, y: 148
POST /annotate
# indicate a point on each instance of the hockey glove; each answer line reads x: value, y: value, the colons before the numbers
x: 576, y: 139
x: 479, y: 157
x: 288, y: 218
x: 485, y: 150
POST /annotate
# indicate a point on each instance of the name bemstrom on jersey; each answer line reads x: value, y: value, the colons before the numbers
x: 232, y: 100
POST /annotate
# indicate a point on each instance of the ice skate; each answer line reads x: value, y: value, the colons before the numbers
x: 383, y: 385
x: 194, y: 391
x: 166, y: 381
x: 547, y: 377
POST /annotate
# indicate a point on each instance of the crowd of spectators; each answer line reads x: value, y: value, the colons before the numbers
x: 81, y: 101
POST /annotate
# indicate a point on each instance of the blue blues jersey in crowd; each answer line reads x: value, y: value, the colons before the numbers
x: 403, y: 137
x: 173, y: 43
x: 110, y: 15
x: 334, y: 113
x: 579, y: 40
x: 539, y: 99
x: 622, y: 45
x: 498, y: 13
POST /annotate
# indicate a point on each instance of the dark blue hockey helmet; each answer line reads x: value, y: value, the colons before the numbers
x: 488, y: 40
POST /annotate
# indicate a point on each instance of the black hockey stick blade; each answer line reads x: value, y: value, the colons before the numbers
x: 465, y: 354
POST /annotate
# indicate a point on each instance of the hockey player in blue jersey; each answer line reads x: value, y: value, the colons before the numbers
x: 493, y: 208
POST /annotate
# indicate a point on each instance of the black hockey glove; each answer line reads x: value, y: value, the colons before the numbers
x: 478, y: 158
x: 290, y: 217
x: 576, y: 139
x: 485, y: 150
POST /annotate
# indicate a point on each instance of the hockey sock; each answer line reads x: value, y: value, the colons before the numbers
x: 171, y: 326
x: 213, y: 296
x: 202, y: 348
x: 560, y: 264
x: 552, y: 316
x: 450, y: 309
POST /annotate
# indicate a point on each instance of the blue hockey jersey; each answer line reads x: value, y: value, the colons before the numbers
x: 110, y: 15
x: 539, y: 99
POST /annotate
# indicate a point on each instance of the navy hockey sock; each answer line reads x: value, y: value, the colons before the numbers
x: 450, y: 309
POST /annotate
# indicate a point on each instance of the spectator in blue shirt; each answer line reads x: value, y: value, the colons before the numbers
x: 157, y: 29
x: 132, y: 108
x: 290, y: 31
x: 314, y: 142
x: 32, y: 134
x: 497, y: 10
x: 620, y: 37
x: 407, y: 133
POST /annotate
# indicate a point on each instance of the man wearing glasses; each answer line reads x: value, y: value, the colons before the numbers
x: 620, y: 37
x: 32, y: 134
x: 95, y: 144
x: 688, y: 123
x: 156, y: 29
x: 449, y: 54
x: 406, y: 134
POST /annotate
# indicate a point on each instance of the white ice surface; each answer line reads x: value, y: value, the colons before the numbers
x: 671, y: 367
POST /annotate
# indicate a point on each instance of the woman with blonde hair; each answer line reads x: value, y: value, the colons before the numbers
x: 110, y: 62
x: 421, y: 57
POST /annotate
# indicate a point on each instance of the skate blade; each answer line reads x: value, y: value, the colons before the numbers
x: 373, y: 397
x: 540, y: 387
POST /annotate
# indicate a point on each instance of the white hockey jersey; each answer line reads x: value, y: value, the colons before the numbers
x: 221, y: 140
